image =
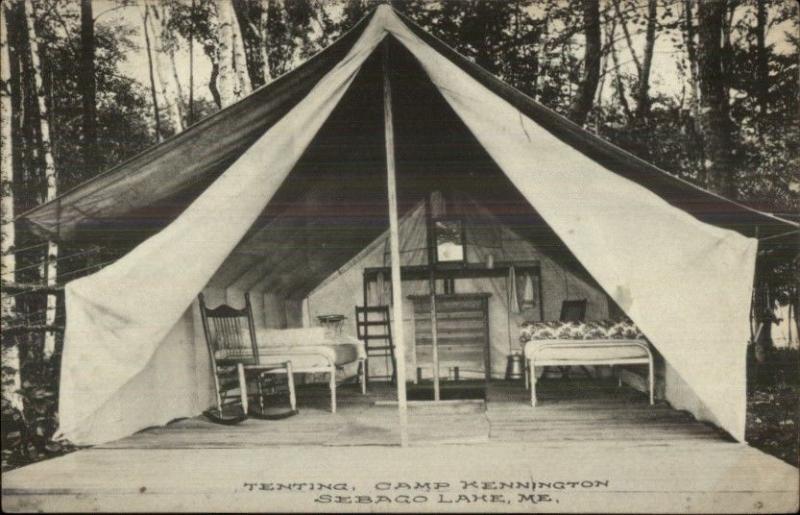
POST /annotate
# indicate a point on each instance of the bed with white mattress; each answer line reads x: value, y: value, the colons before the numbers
x: 315, y: 350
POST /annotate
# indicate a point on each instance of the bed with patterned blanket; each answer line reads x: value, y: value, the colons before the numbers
x: 596, y: 342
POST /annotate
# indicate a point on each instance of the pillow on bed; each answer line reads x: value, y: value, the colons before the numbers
x: 290, y: 337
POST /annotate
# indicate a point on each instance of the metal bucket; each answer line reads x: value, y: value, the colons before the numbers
x: 514, y: 367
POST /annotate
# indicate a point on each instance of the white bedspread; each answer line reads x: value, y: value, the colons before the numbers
x: 308, y: 348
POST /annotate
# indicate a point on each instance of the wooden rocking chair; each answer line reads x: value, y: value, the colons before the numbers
x: 235, y: 361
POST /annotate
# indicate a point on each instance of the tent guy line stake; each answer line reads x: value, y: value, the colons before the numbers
x: 394, y: 238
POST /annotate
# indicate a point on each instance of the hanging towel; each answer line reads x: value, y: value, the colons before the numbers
x: 513, y: 300
x: 381, y: 289
x: 528, y: 299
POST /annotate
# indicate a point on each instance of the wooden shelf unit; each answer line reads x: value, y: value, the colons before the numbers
x: 462, y: 329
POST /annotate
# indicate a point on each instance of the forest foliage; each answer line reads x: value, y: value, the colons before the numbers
x: 728, y: 121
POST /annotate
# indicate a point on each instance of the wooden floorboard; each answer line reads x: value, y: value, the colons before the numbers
x: 573, y: 411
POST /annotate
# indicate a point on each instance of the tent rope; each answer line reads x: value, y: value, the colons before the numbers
x: 780, y: 235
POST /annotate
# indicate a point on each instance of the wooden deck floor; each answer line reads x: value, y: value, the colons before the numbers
x: 576, y: 411
x: 618, y: 453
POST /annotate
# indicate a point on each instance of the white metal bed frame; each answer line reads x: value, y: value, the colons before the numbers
x: 534, y: 346
x: 329, y: 368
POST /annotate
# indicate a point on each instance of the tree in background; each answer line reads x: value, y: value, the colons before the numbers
x: 233, y: 79
x: 253, y: 17
x: 227, y: 73
x: 195, y: 21
x: 714, y: 110
x: 584, y: 97
x: 643, y: 82
x: 88, y: 87
x: 54, y: 100
x: 11, y: 377
x: 151, y: 71
x: 163, y: 57
x: 690, y: 105
x: 638, y: 112
x: 764, y: 105
x: 49, y: 266
x: 214, y: 24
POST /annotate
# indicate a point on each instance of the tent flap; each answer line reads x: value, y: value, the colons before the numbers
x: 119, y: 317
x: 686, y: 283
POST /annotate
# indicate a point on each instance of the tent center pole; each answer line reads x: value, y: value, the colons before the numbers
x: 394, y: 243
x: 432, y: 288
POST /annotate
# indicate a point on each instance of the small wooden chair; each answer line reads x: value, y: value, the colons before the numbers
x: 381, y: 333
x: 235, y: 360
x: 573, y: 310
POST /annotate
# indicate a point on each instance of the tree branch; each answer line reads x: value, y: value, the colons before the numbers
x: 624, y: 24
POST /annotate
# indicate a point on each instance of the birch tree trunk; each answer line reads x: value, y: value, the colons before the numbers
x: 180, y: 99
x: 153, y: 91
x: 7, y: 232
x: 263, y: 27
x: 163, y: 73
x: 8, y: 264
x: 541, y: 58
x: 605, y: 69
x: 691, y: 55
x: 226, y: 72
x: 50, y: 267
x: 243, y: 85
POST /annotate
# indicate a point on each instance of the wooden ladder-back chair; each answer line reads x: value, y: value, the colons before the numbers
x: 573, y: 310
x: 381, y: 333
x: 232, y: 348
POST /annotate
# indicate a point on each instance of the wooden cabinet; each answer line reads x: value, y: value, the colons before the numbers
x: 462, y: 331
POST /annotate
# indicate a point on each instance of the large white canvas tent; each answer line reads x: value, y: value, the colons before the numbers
x: 278, y: 193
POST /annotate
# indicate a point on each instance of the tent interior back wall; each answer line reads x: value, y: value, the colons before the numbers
x: 284, y: 195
